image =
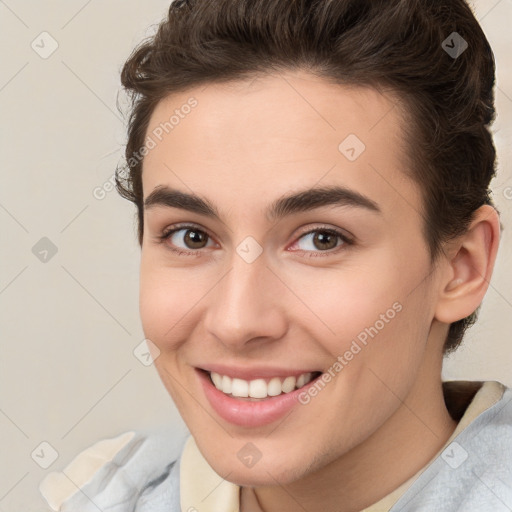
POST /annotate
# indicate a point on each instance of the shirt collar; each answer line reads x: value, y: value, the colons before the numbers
x: 201, y: 488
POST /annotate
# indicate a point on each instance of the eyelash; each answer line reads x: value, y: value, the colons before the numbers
x: 166, y: 234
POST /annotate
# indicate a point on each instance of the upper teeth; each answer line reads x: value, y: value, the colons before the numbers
x: 258, y: 388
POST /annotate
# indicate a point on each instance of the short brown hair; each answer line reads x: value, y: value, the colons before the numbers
x: 395, y: 44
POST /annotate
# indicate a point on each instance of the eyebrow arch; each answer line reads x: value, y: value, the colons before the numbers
x: 289, y: 204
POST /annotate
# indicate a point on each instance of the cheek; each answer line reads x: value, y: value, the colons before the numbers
x: 163, y: 301
x: 348, y: 300
x: 372, y: 308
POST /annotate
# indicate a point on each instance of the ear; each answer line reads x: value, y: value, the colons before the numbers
x: 469, y: 267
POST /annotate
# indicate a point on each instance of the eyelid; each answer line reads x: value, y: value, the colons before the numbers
x: 325, y: 227
x: 346, y: 239
x: 170, y: 230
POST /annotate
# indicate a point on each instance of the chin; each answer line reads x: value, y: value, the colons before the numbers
x: 252, y: 477
x: 278, y: 470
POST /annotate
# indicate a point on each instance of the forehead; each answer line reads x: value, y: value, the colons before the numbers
x: 256, y: 138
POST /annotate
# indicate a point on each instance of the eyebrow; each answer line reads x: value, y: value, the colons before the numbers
x: 286, y: 205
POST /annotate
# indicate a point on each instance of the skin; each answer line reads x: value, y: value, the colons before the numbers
x: 383, y: 417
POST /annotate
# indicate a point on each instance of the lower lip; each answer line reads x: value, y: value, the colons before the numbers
x: 248, y: 413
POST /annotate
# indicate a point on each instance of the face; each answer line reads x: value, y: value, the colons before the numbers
x: 244, y: 286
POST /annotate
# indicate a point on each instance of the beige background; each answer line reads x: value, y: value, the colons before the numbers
x: 69, y: 326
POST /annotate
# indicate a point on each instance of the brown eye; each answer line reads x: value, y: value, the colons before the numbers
x: 321, y: 240
x: 195, y: 239
x: 324, y: 240
x: 185, y: 238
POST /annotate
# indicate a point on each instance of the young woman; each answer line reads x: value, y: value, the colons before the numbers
x: 311, y: 181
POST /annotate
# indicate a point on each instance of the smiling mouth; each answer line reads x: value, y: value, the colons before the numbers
x: 260, y: 389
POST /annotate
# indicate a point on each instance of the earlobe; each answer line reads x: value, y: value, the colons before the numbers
x: 470, y: 267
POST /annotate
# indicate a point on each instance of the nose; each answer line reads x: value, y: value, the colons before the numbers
x: 247, y: 305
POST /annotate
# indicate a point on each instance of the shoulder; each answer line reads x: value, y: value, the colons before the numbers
x: 119, y: 473
x: 474, y: 470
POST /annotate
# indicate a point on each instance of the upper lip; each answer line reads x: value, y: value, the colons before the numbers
x: 255, y: 372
